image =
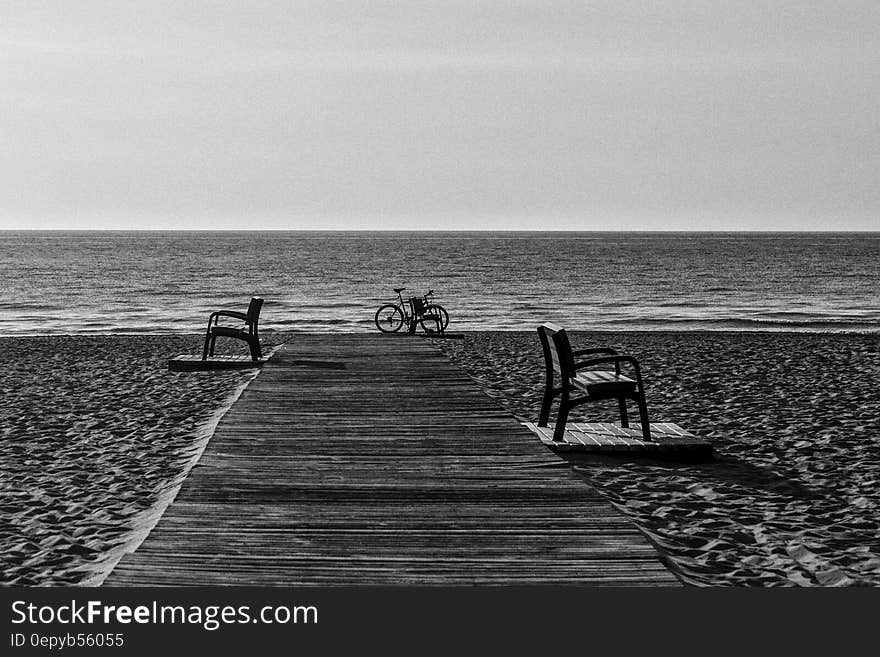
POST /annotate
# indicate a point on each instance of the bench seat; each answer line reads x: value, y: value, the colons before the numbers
x: 603, y: 384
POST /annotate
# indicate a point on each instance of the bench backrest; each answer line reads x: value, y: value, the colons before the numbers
x: 417, y: 306
x: 253, y: 311
x: 557, y: 351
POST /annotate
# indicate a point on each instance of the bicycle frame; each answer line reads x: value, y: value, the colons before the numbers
x: 405, y: 306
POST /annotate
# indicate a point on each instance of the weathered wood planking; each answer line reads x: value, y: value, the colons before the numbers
x: 668, y: 440
x: 362, y: 459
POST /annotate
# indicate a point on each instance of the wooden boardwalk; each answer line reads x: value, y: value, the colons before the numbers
x: 370, y: 459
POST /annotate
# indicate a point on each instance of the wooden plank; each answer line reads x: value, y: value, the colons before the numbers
x: 193, y: 363
x: 361, y: 459
x: 669, y: 440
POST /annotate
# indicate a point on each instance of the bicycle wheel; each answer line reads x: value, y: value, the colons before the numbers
x: 437, y: 309
x: 389, y: 318
x: 435, y: 319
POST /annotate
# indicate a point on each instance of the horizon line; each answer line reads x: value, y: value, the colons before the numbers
x: 422, y: 230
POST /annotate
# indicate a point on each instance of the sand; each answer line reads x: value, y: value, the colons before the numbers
x: 95, y: 433
x: 792, y: 497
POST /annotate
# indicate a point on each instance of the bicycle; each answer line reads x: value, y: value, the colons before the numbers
x: 392, y: 316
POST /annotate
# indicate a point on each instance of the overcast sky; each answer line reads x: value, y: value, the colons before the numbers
x: 444, y: 115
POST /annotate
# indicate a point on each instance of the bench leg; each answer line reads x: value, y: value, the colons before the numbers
x: 561, y: 420
x: 624, y: 418
x: 256, y: 352
x: 209, y: 338
x: 546, y: 403
x: 643, y: 415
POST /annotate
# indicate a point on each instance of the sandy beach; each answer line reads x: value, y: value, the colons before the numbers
x: 792, y: 496
x: 96, y: 432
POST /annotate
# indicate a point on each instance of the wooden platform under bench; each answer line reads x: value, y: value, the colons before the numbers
x: 669, y: 439
x: 192, y: 363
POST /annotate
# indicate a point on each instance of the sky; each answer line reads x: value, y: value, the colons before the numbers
x: 540, y: 115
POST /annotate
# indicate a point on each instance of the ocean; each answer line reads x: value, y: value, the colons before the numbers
x: 168, y: 282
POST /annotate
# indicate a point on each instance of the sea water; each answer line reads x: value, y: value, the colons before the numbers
x: 161, y: 282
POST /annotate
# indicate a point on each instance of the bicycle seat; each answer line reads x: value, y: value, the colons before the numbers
x: 399, y: 289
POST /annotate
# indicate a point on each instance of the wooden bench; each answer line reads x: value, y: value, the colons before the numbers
x: 422, y: 313
x: 579, y: 384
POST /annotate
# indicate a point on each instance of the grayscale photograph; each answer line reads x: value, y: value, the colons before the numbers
x: 477, y: 293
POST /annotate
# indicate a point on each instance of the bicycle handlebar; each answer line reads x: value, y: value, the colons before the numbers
x: 430, y: 293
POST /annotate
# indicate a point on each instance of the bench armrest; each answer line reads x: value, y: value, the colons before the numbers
x: 215, y: 318
x: 617, y: 360
x: 229, y: 313
x: 600, y: 350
